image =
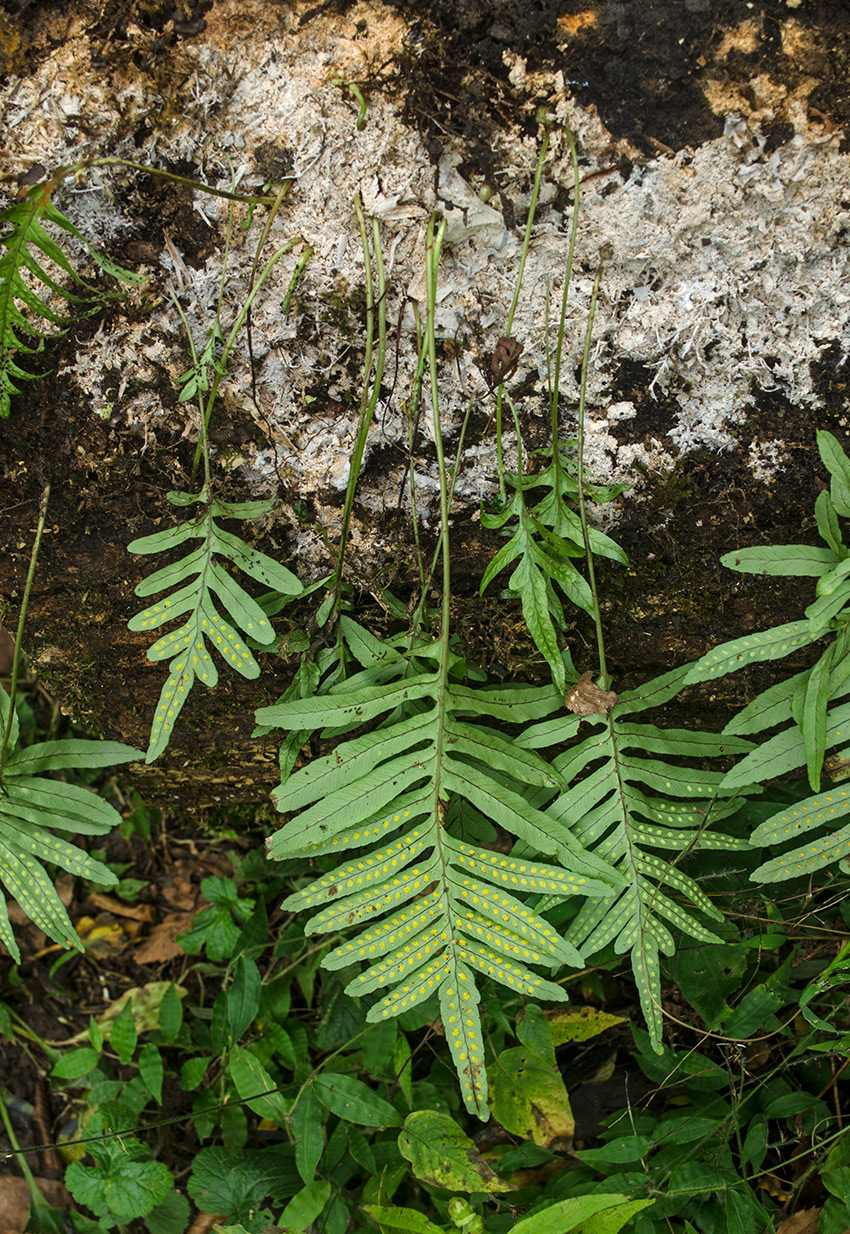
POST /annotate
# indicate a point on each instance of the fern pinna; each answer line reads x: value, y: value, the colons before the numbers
x: 803, y: 706
x: 34, y: 805
x: 440, y: 912
x: 636, y: 800
x: 209, y: 584
x: 30, y: 266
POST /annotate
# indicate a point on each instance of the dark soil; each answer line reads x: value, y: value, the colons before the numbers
x: 640, y: 66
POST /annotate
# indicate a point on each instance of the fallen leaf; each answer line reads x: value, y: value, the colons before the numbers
x: 139, y: 912
x: 803, y: 1222
x: 15, y: 1201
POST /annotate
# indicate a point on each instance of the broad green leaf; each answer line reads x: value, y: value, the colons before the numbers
x: 124, y: 1036
x: 407, y: 1220
x: 442, y: 1156
x: 354, y: 1101
x: 76, y: 1064
x: 151, y: 1070
x: 834, y: 458
x: 584, y: 1214
x: 256, y: 1087
x: 305, y: 1206
x: 72, y: 753
x: 528, y: 1098
x: 170, y: 1013
x: 307, y: 1133
x: 243, y: 997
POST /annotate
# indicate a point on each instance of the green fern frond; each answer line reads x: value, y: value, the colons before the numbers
x: 543, y: 542
x: 436, y: 913
x: 209, y: 588
x: 30, y: 266
x: 633, y: 805
x: 32, y: 807
x: 824, y: 809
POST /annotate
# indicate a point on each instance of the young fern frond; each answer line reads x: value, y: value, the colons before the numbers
x: 635, y: 799
x: 30, y: 268
x: 438, y: 911
x: 544, y: 542
x: 805, y: 707
x: 32, y: 807
x: 207, y: 587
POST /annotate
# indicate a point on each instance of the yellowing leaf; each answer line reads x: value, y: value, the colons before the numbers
x: 529, y: 1098
x: 442, y: 1156
x: 579, y: 1023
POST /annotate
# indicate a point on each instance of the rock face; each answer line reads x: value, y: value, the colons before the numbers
x: 714, y: 171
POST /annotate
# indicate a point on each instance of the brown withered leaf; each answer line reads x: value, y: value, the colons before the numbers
x: 586, y: 699
x: 503, y: 361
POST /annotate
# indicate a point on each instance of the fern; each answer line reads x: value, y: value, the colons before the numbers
x: 634, y: 798
x: 439, y: 911
x: 204, y: 581
x: 543, y: 542
x: 30, y: 266
x: 804, y: 707
x: 32, y: 807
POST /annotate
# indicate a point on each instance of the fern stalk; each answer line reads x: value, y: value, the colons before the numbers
x: 582, y: 503
x: 526, y: 244
x: 6, y: 746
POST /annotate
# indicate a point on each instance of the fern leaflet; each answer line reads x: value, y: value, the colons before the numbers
x: 544, y: 542
x: 803, y: 702
x: 32, y: 807
x: 29, y: 268
x: 633, y: 810
x: 438, y: 911
x: 208, y: 582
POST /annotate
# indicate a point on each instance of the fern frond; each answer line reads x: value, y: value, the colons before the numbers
x: 436, y: 912
x: 543, y: 542
x: 209, y: 588
x: 822, y: 810
x: 32, y: 807
x: 633, y: 811
x: 30, y: 267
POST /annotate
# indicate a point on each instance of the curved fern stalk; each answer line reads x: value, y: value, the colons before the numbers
x: 33, y: 805
x: 438, y: 911
x: 636, y: 800
x: 206, y: 587
x: 30, y: 267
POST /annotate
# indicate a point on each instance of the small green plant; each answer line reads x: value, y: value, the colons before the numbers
x: 30, y: 269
